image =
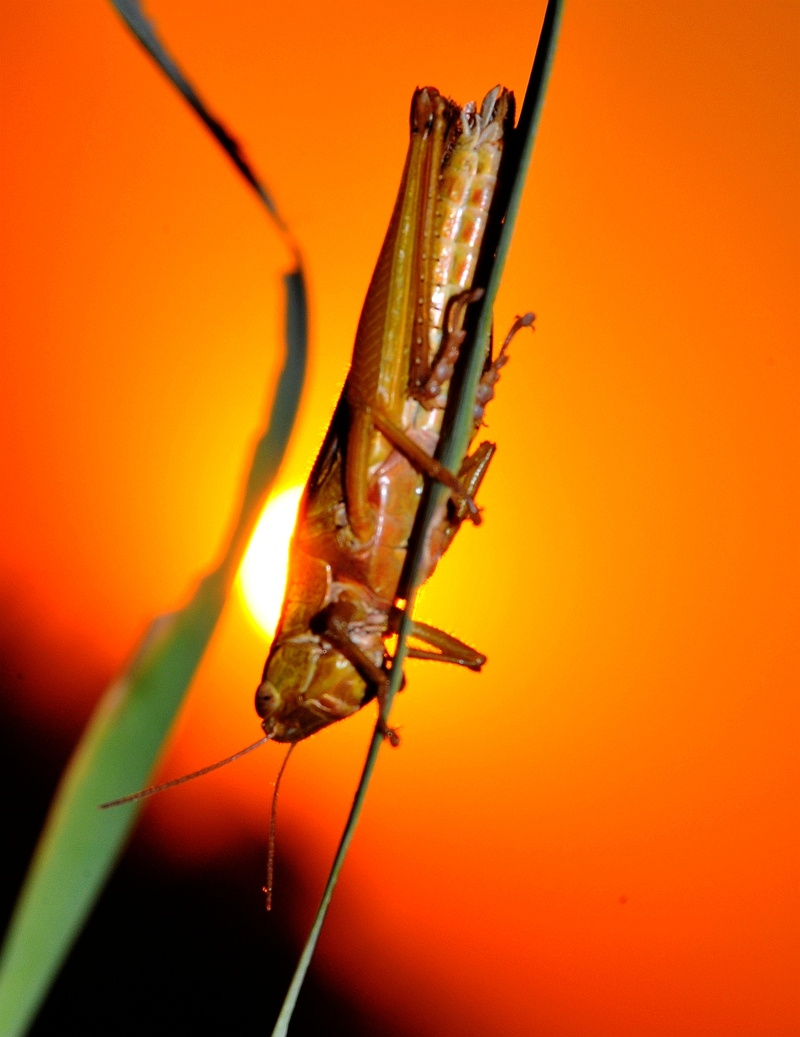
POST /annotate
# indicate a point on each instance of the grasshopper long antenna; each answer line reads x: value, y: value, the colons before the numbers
x: 273, y: 817
x: 144, y: 793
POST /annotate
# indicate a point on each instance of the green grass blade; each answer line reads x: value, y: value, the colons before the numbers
x: 455, y: 441
x: 80, y: 844
x: 523, y: 141
x: 281, y: 1028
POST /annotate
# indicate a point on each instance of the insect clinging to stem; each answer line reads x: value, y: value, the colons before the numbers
x: 348, y: 555
x: 329, y: 656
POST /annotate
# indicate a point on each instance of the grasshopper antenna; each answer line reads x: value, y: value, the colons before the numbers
x: 273, y: 817
x: 144, y: 793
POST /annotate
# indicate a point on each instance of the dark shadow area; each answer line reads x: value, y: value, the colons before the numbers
x: 167, y: 951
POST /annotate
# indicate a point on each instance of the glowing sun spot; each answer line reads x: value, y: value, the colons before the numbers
x: 262, y: 575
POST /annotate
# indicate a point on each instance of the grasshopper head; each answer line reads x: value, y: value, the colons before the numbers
x: 306, y: 685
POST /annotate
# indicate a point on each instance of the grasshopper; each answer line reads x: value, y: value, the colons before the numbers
x: 329, y: 656
x: 344, y: 587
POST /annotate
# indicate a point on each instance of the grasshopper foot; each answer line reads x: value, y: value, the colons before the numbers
x: 391, y: 734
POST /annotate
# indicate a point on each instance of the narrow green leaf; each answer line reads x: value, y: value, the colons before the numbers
x: 80, y: 844
x: 455, y: 440
x: 145, y: 32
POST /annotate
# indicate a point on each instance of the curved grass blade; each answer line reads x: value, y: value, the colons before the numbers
x: 143, y: 29
x: 80, y: 844
x: 455, y: 440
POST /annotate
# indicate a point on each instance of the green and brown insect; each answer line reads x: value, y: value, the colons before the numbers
x: 348, y: 553
x: 329, y: 656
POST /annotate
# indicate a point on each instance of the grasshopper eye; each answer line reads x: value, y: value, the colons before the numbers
x: 268, y: 700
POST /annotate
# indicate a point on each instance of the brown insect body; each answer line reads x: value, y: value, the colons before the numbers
x: 361, y: 500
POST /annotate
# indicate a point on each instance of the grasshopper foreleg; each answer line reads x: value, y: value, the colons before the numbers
x: 335, y: 626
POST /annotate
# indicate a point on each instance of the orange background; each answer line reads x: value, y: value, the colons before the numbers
x: 597, y: 836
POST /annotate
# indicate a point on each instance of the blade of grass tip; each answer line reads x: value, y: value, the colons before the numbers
x: 130, y: 11
x: 455, y: 444
x: 519, y: 160
x: 80, y: 844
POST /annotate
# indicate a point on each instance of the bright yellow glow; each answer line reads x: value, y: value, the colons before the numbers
x: 262, y: 575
